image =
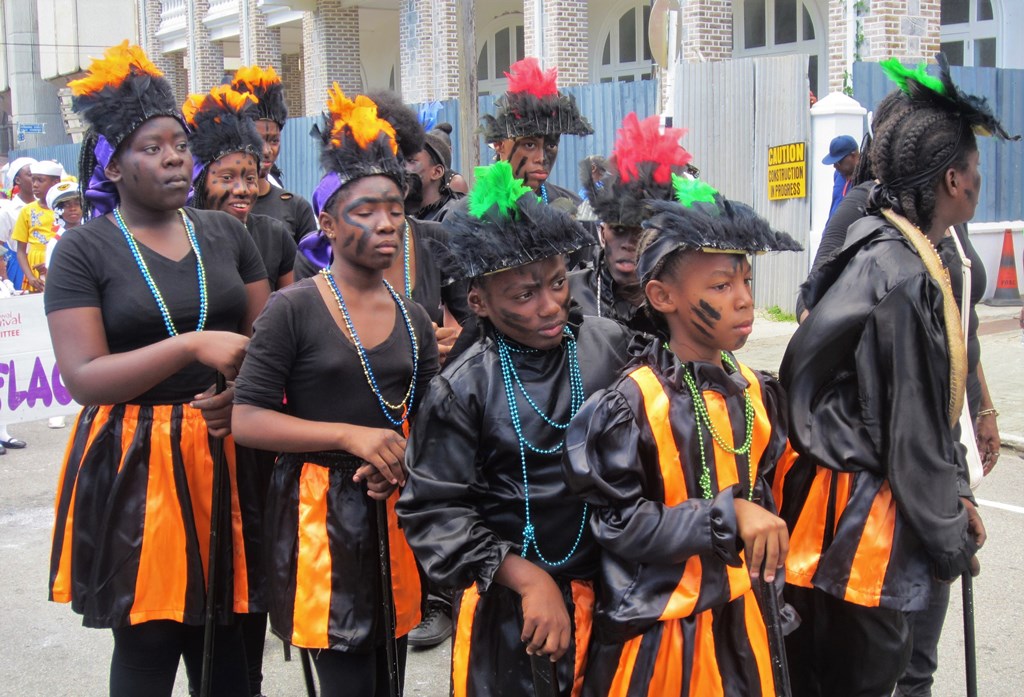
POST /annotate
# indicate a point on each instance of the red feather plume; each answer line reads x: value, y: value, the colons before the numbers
x: 641, y: 142
x: 526, y: 76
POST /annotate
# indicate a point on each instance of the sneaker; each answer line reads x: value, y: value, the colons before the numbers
x: 435, y: 627
x: 56, y: 422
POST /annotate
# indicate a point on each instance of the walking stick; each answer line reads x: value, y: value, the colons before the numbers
x: 545, y: 680
x: 307, y: 673
x: 776, y: 639
x: 219, y: 465
x: 391, y: 642
x: 970, y: 655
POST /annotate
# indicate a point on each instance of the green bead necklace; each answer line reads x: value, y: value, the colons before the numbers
x: 700, y: 409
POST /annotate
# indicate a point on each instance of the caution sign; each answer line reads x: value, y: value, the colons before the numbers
x: 787, y: 171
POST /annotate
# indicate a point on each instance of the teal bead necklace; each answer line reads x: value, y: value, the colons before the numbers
x: 406, y: 240
x: 172, y: 330
x: 700, y: 409
x: 544, y: 193
x: 511, y: 380
x: 405, y: 406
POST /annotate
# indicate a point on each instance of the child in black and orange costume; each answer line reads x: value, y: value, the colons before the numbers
x: 353, y: 357
x: 673, y: 459
x: 146, y: 303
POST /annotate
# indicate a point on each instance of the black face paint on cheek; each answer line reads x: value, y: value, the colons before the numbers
x: 219, y: 200
x: 706, y: 314
x: 518, y: 171
x: 514, y: 320
x: 367, y: 233
x: 702, y: 330
x: 711, y: 312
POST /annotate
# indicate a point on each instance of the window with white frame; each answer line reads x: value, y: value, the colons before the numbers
x: 782, y: 27
x: 504, y: 45
x: 625, y: 49
x: 970, y: 33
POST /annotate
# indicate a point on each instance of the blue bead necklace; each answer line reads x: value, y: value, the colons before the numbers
x: 544, y: 193
x: 407, y: 239
x: 511, y: 380
x: 405, y: 406
x: 172, y: 330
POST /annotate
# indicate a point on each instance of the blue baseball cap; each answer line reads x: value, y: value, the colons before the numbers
x: 840, y: 147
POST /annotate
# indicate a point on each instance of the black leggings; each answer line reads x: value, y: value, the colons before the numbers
x: 343, y: 673
x: 146, y: 656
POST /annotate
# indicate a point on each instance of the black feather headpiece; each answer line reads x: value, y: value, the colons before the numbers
x: 408, y: 130
x: 355, y: 143
x: 643, y: 162
x: 944, y: 94
x: 701, y: 218
x: 533, y: 106
x: 221, y: 123
x: 121, y: 91
x: 502, y: 224
x: 266, y: 86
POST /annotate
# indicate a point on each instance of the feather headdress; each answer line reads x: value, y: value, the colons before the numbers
x: 265, y: 84
x: 502, y: 224
x: 120, y: 91
x: 355, y: 143
x: 221, y: 123
x: 643, y: 162
x: 409, y: 133
x: 533, y: 106
x: 944, y: 94
x: 701, y: 218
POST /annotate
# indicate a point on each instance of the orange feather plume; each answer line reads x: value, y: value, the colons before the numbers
x: 221, y: 98
x: 117, y: 63
x: 360, y: 115
x: 255, y: 78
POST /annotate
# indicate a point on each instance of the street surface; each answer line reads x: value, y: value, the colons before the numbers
x: 47, y: 651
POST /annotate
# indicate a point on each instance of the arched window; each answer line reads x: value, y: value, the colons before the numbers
x: 625, y: 50
x: 970, y: 32
x: 505, y: 43
x: 781, y: 27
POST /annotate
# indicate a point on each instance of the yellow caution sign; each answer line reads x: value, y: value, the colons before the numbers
x: 787, y: 171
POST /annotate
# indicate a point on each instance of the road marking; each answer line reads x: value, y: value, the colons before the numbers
x: 1001, y: 506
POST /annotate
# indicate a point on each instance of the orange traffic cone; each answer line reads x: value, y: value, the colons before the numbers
x: 1007, y: 293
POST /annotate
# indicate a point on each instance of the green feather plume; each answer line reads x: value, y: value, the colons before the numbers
x: 495, y: 186
x: 899, y: 74
x: 691, y: 191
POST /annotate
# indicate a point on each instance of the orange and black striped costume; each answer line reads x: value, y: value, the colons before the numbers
x: 676, y: 615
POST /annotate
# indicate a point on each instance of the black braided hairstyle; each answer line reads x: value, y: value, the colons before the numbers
x: 86, y: 164
x: 893, y: 103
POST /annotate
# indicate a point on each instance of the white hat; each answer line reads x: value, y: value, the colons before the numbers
x: 61, y: 191
x: 48, y: 168
x: 16, y: 166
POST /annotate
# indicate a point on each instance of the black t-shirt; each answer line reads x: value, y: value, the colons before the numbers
x: 93, y: 267
x: 274, y: 241
x: 291, y: 209
x: 298, y: 350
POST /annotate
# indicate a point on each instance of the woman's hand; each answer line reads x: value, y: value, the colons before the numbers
x: 222, y: 351
x: 377, y: 487
x: 216, y: 409
x: 987, y: 432
x: 381, y: 448
x: 765, y: 538
x: 446, y: 337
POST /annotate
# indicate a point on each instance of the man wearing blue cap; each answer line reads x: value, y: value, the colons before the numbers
x: 843, y: 154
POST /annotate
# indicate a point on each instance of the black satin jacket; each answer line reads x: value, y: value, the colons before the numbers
x: 867, y: 376
x: 462, y: 508
x: 583, y: 285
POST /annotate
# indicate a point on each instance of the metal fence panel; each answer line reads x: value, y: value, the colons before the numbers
x: 65, y: 153
x: 1002, y: 163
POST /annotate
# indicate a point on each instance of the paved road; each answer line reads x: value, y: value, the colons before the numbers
x: 47, y: 652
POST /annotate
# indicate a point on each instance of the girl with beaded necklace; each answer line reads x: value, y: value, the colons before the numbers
x: 146, y: 303
x: 353, y: 357
x: 486, y: 508
x: 673, y: 459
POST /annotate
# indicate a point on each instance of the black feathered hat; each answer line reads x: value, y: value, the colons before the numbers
x: 642, y: 165
x: 408, y: 129
x: 221, y: 123
x: 502, y: 224
x: 266, y: 86
x: 120, y: 92
x: 533, y: 106
x: 701, y: 218
x: 355, y: 142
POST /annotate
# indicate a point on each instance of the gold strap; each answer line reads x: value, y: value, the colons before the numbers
x: 951, y: 313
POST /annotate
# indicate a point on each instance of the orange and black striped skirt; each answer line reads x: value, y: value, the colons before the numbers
x: 132, y: 530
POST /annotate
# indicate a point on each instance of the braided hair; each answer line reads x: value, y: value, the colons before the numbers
x: 915, y: 140
x: 87, y: 162
x: 893, y: 103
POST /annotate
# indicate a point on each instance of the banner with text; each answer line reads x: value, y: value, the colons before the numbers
x: 30, y: 384
x: 787, y: 171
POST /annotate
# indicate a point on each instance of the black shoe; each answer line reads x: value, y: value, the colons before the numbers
x: 13, y: 444
x: 435, y: 627
x: 3, y: 450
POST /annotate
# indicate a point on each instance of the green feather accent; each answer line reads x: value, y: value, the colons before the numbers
x: 496, y: 186
x: 899, y: 74
x: 691, y: 191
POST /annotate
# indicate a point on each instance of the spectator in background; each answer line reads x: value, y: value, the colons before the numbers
x: 430, y: 196
x: 843, y: 155
x: 19, y: 181
x: 35, y: 225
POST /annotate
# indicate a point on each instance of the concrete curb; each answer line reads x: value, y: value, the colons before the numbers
x: 1011, y: 441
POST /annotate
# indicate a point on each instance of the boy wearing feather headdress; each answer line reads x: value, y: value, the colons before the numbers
x: 673, y: 458
x: 486, y: 509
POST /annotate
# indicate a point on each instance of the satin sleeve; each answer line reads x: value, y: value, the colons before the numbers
x: 610, y: 463
x: 902, y: 364
x: 437, y: 507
